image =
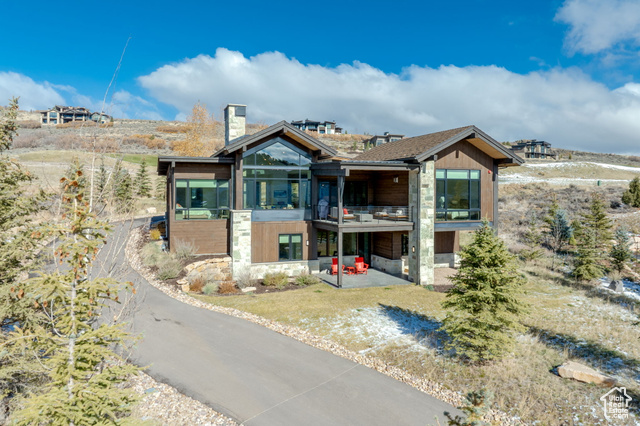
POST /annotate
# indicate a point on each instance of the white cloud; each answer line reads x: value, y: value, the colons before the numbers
x: 598, y: 25
x: 32, y: 95
x: 562, y: 106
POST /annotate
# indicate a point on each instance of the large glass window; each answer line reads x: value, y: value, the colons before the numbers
x: 457, y: 195
x: 202, y: 199
x: 276, y: 177
x: 290, y: 246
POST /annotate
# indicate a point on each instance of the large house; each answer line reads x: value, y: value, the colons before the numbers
x: 67, y: 114
x: 378, y: 140
x: 322, y: 127
x: 534, y: 149
x: 278, y: 200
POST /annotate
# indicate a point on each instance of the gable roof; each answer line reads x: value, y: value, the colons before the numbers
x: 281, y: 128
x: 419, y: 148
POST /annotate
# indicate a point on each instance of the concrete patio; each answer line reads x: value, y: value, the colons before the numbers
x: 373, y: 278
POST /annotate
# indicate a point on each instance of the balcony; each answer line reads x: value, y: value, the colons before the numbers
x: 382, y: 217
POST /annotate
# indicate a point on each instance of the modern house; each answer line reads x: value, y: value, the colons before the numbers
x: 278, y: 200
x: 534, y: 149
x: 322, y: 127
x: 378, y: 140
x: 66, y: 114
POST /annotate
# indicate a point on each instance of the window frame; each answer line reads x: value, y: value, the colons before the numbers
x: 290, y: 248
x: 187, y: 210
x: 446, y: 214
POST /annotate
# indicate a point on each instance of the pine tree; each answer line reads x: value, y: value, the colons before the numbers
x: 632, y: 195
x: 74, y: 347
x: 599, y: 224
x: 587, y: 262
x: 621, y: 252
x: 18, y: 243
x: 103, y: 179
x: 161, y: 188
x: 558, y: 231
x: 532, y: 239
x: 71, y: 170
x: 143, y: 182
x: 122, y: 188
x: 483, y: 306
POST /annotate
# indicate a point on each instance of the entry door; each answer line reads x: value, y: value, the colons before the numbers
x: 364, y: 246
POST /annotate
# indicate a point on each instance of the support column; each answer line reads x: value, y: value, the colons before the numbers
x: 421, y: 239
x: 240, y: 235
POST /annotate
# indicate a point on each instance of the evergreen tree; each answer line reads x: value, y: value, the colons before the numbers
x: 632, y: 195
x: 621, y: 252
x: 143, y: 182
x: 161, y: 188
x: 122, y: 188
x: 558, y: 231
x: 76, y: 349
x: 599, y: 224
x: 532, y: 238
x: 72, y: 169
x: 483, y: 306
x: 18, y: 243
x: 587, y: 262
x: 103, y: 179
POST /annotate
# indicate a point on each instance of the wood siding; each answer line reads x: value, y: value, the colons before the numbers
x: 209, y: 236
x: 447, y: 242
x: 388, y: 193
x: 387, y: 244
x: 264, y: 239
x: 465, y: 156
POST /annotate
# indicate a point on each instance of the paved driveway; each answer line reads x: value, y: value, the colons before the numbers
x: 255, y: 375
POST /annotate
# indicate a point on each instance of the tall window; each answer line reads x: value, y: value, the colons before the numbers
x: 457, y: 195
x: 290, y: 246
x: 202, y: 199
x: 276, y: 176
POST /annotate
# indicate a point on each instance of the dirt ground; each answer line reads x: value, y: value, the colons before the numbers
x: 442, y: 283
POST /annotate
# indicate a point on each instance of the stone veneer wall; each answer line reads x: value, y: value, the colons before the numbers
x: 447, y: 260
x: 422, y: 204
x: 390, y: 266
x: 240, y: 234
x: 292, y: 269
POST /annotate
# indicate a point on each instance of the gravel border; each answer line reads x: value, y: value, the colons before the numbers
x: 427, y: 386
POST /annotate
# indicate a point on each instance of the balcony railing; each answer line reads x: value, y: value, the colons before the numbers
x: 363, y: 214
x: 202, y: 214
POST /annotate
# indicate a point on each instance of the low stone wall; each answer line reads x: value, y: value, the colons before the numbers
x: 292, y: 269
x: 215, y: 270
x: 446, y: 260
x: 390, y: 266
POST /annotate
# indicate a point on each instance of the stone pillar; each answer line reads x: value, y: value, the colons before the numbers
x: 421, y: 239
x: 240, y: 234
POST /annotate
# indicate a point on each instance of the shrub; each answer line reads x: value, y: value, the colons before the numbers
x: 169, y: 269
x: 154, y: 234
x: 210, y: 288
x: 197, y: 284
x: 244, y: 279
x: 276, y: 279
x: 172, y: 129
x: 29, y: 124
x: 305, y: 279
x: 184, y: 250
x: 227, y: 287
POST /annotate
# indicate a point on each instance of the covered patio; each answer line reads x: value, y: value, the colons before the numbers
x: 373, y: 278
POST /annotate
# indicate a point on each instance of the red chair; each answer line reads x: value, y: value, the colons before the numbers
x: 334, y: 266
x: 361, y: 267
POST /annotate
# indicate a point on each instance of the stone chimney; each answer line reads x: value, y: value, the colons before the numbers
x: 235, y: 118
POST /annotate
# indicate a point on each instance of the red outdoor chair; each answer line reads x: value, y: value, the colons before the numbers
x: 334, y: 266
x: 361, y: 267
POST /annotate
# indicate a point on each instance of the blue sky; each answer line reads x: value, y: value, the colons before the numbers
x: 565, y: 71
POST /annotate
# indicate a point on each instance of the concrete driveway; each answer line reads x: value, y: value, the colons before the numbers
x: 257, y: 376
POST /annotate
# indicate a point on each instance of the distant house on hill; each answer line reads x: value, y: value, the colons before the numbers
x: 534, y: 149
x: 67, y: 114
x: 322, y: 127
x: 378, y: 140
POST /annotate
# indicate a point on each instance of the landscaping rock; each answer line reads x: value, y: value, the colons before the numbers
x: 151, y: 210
x: 617, y: 286
x: 582, y: 373
x: 248, y: 289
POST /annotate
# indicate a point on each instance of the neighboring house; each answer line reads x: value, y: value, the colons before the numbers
x: 378, y: 140
x: 278, y: 200
x: 534, y: 149
x: 66, y: 114
x: 322, y: 127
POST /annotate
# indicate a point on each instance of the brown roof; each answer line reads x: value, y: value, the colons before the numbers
x: 409, y: 147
